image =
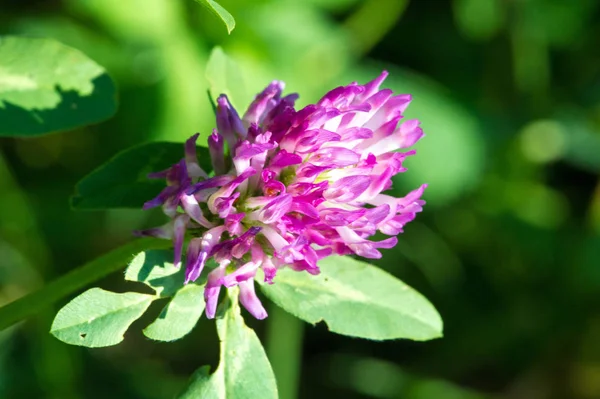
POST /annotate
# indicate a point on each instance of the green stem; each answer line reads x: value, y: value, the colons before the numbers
x: 75, y: 280
x: 284, y: 349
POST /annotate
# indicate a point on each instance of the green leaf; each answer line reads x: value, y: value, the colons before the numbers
x: 225, y: 77
x: 122, y: 182
x: 99, y: 318
x: 155, y: 269
x: 220, y: 12
x: 46, y: 87
x: 74, y: 280
x: 356, y: 299
x: 180, y: 315
x: 244, y: 371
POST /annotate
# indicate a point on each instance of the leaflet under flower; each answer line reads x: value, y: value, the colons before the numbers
x: 291, y: 187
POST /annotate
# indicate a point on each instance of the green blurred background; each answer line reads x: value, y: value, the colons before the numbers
x: 507, y: 249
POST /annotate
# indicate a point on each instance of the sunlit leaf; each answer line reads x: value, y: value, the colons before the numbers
x: 356, y: 299
x: 122, y: 182
x: 155, y: 269
x: 46, y: 87
x: 179, y: 316
x: 220, y: 12
x: 99, y: 318
x: 244, y: 371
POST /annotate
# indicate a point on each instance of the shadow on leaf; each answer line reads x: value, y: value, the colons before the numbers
x: 73, y: 111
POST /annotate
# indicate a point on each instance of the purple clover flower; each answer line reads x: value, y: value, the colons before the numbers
x: 291, y: 187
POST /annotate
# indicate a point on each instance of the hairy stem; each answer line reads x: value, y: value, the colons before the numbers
x: 75, y: 280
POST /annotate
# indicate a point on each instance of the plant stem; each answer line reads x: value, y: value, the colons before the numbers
x: 284, y: 349
x: 75, y: 280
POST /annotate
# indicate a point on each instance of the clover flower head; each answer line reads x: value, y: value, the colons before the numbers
x: 290, y: 187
